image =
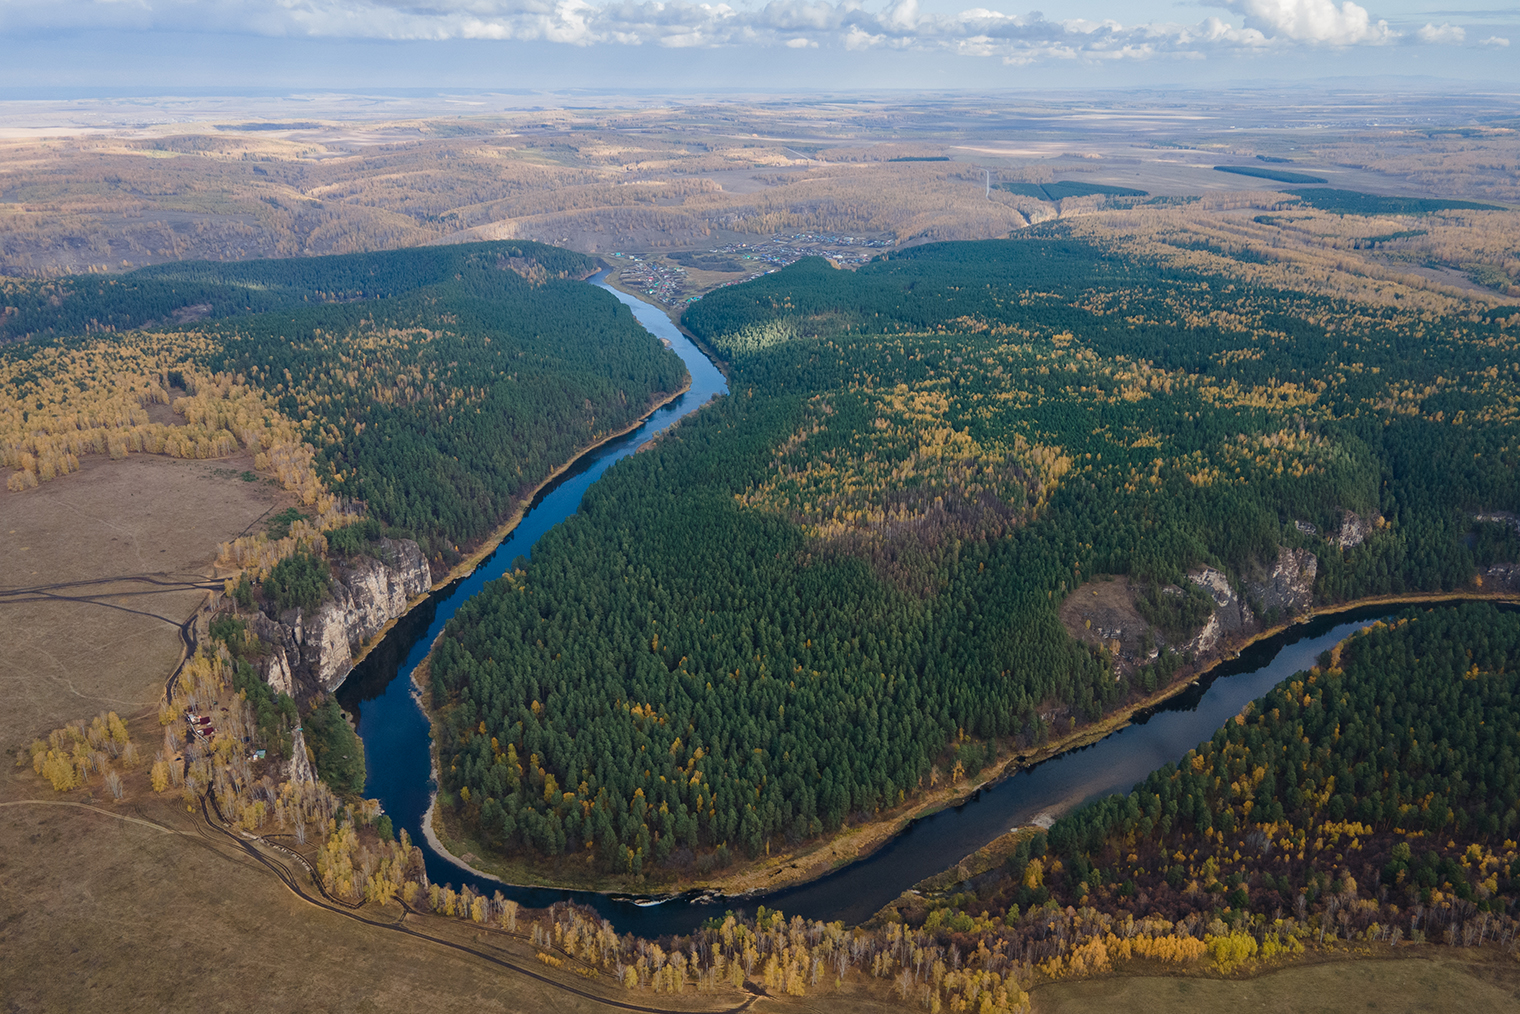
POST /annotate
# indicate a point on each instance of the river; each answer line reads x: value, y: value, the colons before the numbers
x: 397, y: 748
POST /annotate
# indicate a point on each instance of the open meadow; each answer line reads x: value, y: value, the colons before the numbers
x: 1412, y: 985
x: 102, y: 567
x: 137, y: 905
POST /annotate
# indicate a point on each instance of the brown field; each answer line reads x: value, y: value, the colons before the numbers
x: 101, y: 568
x: 1431, y: 981
x: 688, y: 176
x: 100, y: 913
x: 140, y: 905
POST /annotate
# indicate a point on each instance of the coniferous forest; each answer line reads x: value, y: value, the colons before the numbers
x: 847, y: 584
x: 1367, y: 803
x: 840, y: 585
x: 434, y: 385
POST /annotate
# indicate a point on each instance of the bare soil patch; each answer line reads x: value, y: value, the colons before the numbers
x: 163, y: 414
x: 1102, y: 612
x: 100, y: 569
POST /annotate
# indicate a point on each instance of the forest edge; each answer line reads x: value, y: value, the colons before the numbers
x: 852, y: 844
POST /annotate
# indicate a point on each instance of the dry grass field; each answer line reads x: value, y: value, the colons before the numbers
x: 137, y: 905
x: 101, y: 568
x: 101, y: 913
x: 1427, y: 982
x: 700, y: 177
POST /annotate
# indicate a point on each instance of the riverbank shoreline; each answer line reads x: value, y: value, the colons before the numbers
x: 853, y: 844
x: 988, y: 855
x: 422, y: 686
x: 719, y: 363
x: 480, y: 553
x: 476, y: 556
x: 434, y: 826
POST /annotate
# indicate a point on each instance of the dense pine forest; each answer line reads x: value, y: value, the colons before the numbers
x: 170, y: 293
x: 433, y: 386
x: 840, y: 585
x: 1366, y: 804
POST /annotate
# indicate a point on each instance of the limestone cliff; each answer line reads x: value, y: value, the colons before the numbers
x: 314, y: 651
x: 1274, y: 593
x: 1287, y: 588
x: 1354, y: 529
x: 1231, y: 614
x: 1110, y: 613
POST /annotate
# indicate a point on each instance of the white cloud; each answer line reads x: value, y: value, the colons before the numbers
x: 1496, y: 41
x: 1253, y: 26
x: 1445, y: 33
x: 902, y: 15
x: 858, y: 38
x: 1312, y: 21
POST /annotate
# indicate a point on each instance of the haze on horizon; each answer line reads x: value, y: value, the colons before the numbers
x: 67, y: 47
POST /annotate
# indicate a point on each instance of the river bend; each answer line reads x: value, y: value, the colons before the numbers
x: 398, y: 750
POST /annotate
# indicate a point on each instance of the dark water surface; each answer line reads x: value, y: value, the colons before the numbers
x: 397, y: 747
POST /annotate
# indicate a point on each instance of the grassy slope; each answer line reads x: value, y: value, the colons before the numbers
x: 1442, y: 982
x: 147, y: 913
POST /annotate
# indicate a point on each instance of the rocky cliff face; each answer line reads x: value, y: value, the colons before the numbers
x: 1501, y: 577
x: 314, y: 651
x: 1288, y: 587
x: 1354, y: 529
x: 1281, y: 591
x: 1109, y: 613
x: 1231, y: 615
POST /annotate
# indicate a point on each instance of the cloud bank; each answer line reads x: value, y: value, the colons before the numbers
x: 1264, y: 26
x: 1312, y: 21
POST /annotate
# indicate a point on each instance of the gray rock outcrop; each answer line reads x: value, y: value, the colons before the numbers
x: 1288, y: 587
x: 1354, y: 529
x: 1231, y: 614
x: 278, y: 675
x: 1502, y: 577
x: 314, y: 651
x: 1499, y: 518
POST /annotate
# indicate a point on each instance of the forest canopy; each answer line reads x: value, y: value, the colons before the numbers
x: 1391, y: 765
x: 1352, y: 202
x: 434, y: 386
x: 839, y: 585
x: 1372, y: 799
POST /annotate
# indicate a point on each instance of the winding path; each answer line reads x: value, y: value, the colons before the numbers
x: 210, y: 828
x: 215, y: 836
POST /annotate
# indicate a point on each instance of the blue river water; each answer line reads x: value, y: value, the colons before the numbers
x: 397, y: 740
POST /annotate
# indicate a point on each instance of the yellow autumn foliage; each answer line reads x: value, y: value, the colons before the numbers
x: 1231, y: 950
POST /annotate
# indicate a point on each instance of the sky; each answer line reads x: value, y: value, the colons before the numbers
x: 780, y: 45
